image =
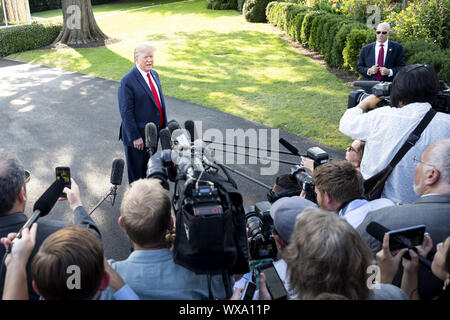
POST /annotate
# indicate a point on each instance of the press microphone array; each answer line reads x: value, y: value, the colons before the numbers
x: 377, y: 231
x: 151, y: 138
x: 116, y: 180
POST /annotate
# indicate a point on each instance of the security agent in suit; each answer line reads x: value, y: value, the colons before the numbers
x: 373, y: 66
x: 13, y: 198
x: 140, y: 101
x: 432, y: 183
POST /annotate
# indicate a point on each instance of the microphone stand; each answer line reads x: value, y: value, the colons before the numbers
x: 112, y: 192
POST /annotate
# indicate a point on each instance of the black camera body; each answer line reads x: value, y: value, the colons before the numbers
x: 383, y: 89
x: 260, y: 226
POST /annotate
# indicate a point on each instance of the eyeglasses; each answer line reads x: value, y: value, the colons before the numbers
x: 383, y: 32
x: 417, y: 160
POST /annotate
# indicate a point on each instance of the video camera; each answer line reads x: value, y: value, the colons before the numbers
x: 383, y: 89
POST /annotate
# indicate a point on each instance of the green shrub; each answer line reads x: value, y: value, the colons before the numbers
x: 335, y: 25
x: 291, y: 15
x: 356, y: 39
x: 329, y: 32
x: 270, y: 11
x: 255, y: 10
x: 27, y: 37
x: 316, y: 31
x: 222, y: 4
x: 307, y: 24
x: 411, y: 47
x: 339, y: 42
x: 240, y: 4
x: 439, y: 59
x: 298, y: 23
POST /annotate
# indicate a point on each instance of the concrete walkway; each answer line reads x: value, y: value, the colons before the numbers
x: 51, y: 117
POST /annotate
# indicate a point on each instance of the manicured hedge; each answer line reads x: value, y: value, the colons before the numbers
x: 255, y: 10
x: 27, y: 37
x: 341, y: 39
x: 43, y: 5
x: 240, y: 5
x: 222, y: 4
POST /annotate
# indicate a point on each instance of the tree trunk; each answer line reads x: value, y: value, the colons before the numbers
x: 80, y: 27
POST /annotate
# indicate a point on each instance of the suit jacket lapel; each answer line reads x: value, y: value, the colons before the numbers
x: 388, y: 54
x: 144, y: 85
x: 158, y: 85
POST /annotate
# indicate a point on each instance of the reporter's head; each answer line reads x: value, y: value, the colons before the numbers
x: 12, y: 183
x: 145, y: 213
x: 69, y: 266
x: 414, y: 83
x: 326, y: 254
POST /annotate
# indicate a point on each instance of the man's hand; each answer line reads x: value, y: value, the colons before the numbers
x: 115, y: 281
x: 22, y: 247
x: 369, y: 103
x: 387, y: 262
x: 263, y: 291
x: 73, y: 195
x: 139, y: 144
x: 426, y: 246
x: 385, y: 71
x: 373, y: 70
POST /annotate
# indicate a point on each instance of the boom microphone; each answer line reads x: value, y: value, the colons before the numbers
x: 289, y: 146
x: 365, y: 83
x: 190, y: 127
x: 165, y: 139
x: 151, y: 137
x: 44, y: 204
x: 173, y: 125
x: 377, y: 231
x: 117, y: 171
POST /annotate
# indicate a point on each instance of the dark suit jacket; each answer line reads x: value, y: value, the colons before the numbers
x: 395, y: 59
x: 13, y: 222
x: 137, y: 106
x: 432, y: 211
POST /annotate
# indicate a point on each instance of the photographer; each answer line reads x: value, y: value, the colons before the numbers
x: 339, y: 188
x: 386, y: 129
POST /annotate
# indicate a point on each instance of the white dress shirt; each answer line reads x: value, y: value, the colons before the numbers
x: 144, y: 75
x: 385, y: 130
x: 377, y: 51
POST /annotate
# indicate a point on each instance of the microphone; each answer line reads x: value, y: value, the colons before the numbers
x: 165, y: 137
x: 289, y: 146
x: 179, y: 138
x: 377, y: 231
x: 151, y: 137
x: 365, y: 83
x: 173, y: 125
x: 116, y: 176
x: 43, y: 205
x: 190, y: 127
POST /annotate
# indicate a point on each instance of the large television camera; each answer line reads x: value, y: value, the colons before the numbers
x: 383, y: 89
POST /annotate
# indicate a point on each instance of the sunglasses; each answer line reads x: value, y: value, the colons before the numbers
x: 383, y: 32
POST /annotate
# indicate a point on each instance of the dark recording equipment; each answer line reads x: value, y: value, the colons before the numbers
x: 260, y: 226
x: 406, y: 237
x: 383, y: 89
x: 63, y: 173
x: 248, y: 291
x: 273, y: 281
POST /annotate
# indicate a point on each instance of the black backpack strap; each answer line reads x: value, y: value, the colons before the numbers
x: 413, y: 137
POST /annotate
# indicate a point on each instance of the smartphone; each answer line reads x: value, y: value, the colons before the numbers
x: 273, y: 281
x: 249, y: 291
x: 64, y: 174
x: 406, y: 237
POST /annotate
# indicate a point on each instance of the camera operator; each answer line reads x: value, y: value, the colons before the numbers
x: 150, y: 270
x: 339, y: 188
x: 13, y: 199
x: 386, y: 129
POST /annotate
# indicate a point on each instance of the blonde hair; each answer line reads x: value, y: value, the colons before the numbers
x: 327, y: 255
x: 146, y: 212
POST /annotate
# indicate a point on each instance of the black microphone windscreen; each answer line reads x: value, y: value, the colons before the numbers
x: 173, y: 125
x: 376, y: 230
x: 289, y: 146
x: 365, y: 83
x: 151, y: 136
x: 117, y: 171
x: 190, y: 127
x: 165, y: 137
x: 46, y: 202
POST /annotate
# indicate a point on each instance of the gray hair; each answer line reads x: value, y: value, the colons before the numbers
x: 143, y: 48
x: 12, y: 179
x: 439, y: 157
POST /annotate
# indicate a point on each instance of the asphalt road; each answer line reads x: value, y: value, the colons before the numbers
x: 51, y: 117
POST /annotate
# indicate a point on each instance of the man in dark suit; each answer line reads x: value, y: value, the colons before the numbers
x: 432, y: 183
x: 382, y: 59
x: 13, y: 198
x: 140, y: 101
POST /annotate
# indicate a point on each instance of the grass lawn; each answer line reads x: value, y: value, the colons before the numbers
x: 219, y: 60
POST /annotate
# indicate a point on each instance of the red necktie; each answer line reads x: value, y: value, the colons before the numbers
x: 378, y: 76
x: 158, y: 103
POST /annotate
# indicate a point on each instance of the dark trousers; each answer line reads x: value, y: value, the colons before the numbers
x: 136, y: 163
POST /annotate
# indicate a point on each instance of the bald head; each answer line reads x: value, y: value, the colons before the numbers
x: 383, y: 32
